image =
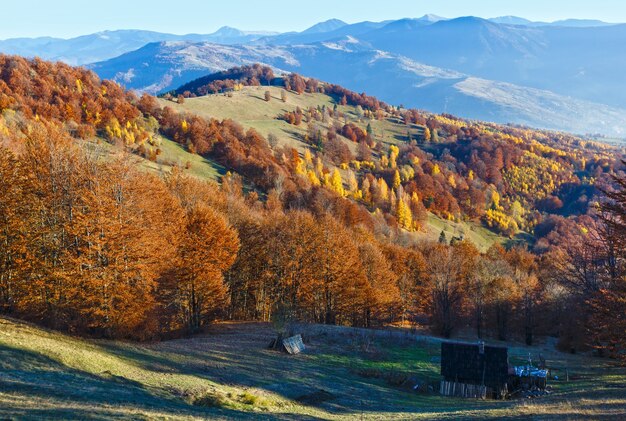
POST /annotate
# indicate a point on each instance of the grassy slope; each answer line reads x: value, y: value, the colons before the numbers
x: 174, y: 154
x: 249, y: 108
x: 49, y: 375
x: 171, y: 154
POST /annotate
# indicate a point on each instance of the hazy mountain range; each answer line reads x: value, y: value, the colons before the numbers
x: 108, y: 44
x: 564, y: 75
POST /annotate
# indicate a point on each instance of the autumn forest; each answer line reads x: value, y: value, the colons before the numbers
x: 96, y: 245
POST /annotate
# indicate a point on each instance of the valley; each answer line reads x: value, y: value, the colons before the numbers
x: 392, y: 77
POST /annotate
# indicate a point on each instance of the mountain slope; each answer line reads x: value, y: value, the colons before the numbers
x: 393, y: 78
x: 293, y: 38
x: 583, y: 63
x: 327, y: 26
x: 83, y: 49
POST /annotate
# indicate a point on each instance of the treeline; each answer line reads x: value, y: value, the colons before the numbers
x: 253, y: 75
x: 257, y: 75
x: 103, y: 249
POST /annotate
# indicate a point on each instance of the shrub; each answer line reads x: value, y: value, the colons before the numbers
x: 249, y: 399
x: 211, y: 400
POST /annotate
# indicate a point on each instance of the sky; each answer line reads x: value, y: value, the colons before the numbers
x: 69, y: 18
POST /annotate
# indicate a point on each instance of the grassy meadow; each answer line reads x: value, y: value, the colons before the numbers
x: 229, y: 373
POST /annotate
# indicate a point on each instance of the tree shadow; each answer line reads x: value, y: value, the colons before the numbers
x: 29, y: 378
x: 520, y: 239
x: 251, y: 365
x: 236, y: 356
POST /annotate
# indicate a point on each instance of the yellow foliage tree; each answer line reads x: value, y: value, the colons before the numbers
x: 383, y: 188
x: 495, y: 200
x: 313, y: 178
x: 452, y: 181
x: 404, y: 214
x: 393, y: 155
x: 427, y: 134
x: 336, y: 184
x: 308, y: 159
x: 396, y: 180
x: 299, y: 166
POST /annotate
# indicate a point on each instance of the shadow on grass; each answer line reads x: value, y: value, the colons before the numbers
x: 27, y: 377
x: 219, y: 168
x: 520, y: 239
x: 237, y: 356
x: 250, y: 364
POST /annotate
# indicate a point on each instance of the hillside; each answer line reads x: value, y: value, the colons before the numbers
x: 327, y: 210
x: 391, y: 76
x: 249, y: 108
x: 49, y: 375
x: 390, y: 130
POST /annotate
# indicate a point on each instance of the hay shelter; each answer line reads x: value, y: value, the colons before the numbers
x: 474, y: 370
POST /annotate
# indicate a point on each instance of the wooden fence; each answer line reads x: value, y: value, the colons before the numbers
x: 463, y: 390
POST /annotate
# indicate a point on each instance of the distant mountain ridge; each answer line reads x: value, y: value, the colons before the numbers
x: 327, y: 26
x: 573, y: 23
x: 393, y: 78
x: 565, y: 75
x: 108, y: 44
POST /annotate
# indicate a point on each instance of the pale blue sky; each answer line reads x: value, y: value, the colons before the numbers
x: 67, y: 18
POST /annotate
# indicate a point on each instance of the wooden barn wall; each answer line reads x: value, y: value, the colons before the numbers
x: 464, y: 363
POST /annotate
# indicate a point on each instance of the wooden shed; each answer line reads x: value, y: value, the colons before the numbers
x: 474, y: 370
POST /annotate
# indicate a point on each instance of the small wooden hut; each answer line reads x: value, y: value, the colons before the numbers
x: 474, y: 370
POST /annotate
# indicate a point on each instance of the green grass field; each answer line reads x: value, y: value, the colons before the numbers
x: 249, y: 108
x: 172, y: 154
x: 229, y: 373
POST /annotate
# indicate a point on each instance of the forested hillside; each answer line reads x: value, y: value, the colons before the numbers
x: 319, y: 230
